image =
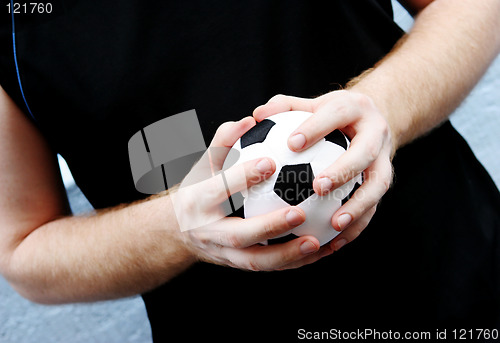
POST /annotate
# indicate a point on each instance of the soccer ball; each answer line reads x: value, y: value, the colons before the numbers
x: 291, y: 183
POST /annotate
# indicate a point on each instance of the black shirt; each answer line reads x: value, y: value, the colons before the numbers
x: 94, y: 73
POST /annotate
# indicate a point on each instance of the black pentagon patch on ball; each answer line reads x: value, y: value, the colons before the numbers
x: 338, y: 138
x: 351, y: 193
x: 257, y: 134
x: 295, y: 183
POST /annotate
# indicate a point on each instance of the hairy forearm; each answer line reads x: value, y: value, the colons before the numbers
x: 119, y: 252
x: 434, y: 67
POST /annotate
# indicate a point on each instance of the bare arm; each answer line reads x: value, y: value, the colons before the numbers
x: 435, y: 66
x: 409, y: 92
x: 51, y: 257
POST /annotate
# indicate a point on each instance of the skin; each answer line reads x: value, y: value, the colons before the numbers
x: 382, y: 111
x: 49, y: 256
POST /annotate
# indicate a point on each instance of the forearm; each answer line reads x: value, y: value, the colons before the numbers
x: 120, y: 252
x: 434, y: 67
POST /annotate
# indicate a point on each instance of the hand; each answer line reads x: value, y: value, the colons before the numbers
x: 233, y: 241
x: 370, y: 151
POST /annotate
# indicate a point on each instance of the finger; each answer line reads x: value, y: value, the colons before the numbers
x: 336, y: 113
x: 217, y: 189
x: 324, y: 251
x: 283, y: 103
x: 200, y: 193
x: 247, y: 174
x: 377, y: 181
x: 254, y: 230
x: 271, y: 257
x: 227, y: 134
x: 365, y: 148
x: 353, y: 231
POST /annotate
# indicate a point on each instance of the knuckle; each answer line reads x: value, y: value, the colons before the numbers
x: 189, y: 205
x: 202, y: 239
x: 340, y: 93
x: 352, y: 96
x: 234, y: 240
x: 372, y: 152
x: 380, y: 125
x: 364, y: 101
x: 278, y: 98
x: 363, y: 202
x: 253, y: 265
x: 289, y: 256
x: 348, y: 174
x: 270, y: 228
x: 358, y: 196
x: 192, y: 237
x: 269, y: 231
x: 273, y: 228
x: 222, y: 238
x: 357, y: 231
x: 384, y: 125
x: 224, y: 127
x: 343, y: 111
x: 213, y: 189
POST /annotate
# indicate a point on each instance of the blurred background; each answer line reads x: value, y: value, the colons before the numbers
x: 478, y: 119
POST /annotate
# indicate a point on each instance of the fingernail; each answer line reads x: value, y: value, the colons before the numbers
x: 294, y: 218
x: 297, y: 142
x: 308, y: 248
x: 325, y: 184
x: 339, y: 244
x: 263, y: 165
x: 344, y: 220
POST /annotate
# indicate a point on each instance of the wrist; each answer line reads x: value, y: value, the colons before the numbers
x: 394, y: 133
x: 383, y: 108
x: 177, y: 241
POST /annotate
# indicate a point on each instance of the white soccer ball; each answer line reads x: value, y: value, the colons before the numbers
x: 291, y: 183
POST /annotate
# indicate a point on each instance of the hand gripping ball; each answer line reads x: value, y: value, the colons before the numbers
x: 291, y: 183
